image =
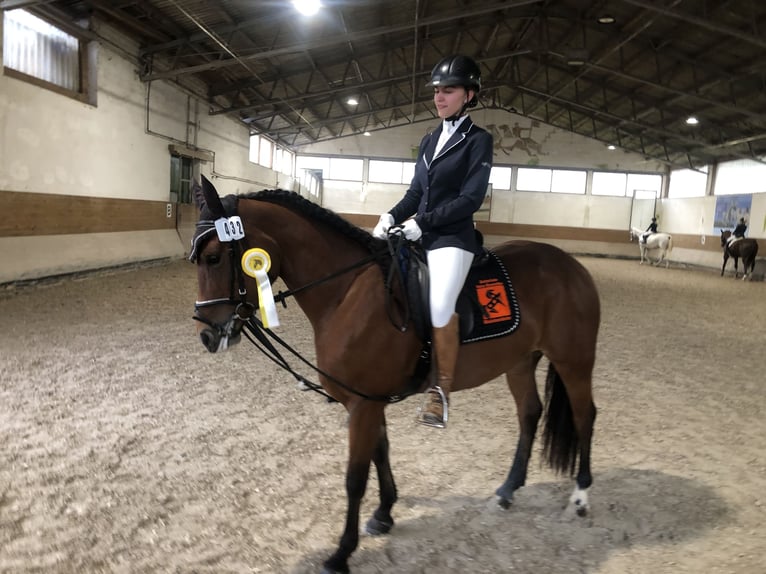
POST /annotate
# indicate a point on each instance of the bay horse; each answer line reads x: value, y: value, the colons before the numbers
x: 661, y: 241
x: 334, y: 271
x: 745, y: 247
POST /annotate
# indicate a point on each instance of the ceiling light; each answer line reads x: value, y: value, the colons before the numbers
x: 576, y: 56
x: 611, y: 147
x: 606, y: 19
x: 352, y: 101
x: 367, y: 134
x: 307, y: 7
x: 692, y: 121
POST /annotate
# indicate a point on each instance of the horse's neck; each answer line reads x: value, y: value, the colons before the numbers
x: 308, y: 252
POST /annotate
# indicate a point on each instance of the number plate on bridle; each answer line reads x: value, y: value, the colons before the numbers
x: 229, y: 228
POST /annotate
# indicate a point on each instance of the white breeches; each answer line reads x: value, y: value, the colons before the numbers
x: 448, y: 267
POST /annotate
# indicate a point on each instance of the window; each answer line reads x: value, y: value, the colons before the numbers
x: 286, y: 162
x: 262, y: 151
x: 313, y: 162
x: 180, y: 179
x: 38, y: 52
x: 346, y: 169
x: 568, y: 181
x: 390, y: 171
x: 644, y: 185
x: 554, y: 180
x: 740, y: 176
x: 533, y: 179
x: 265, y: 152
x: 687, y: 183
x: 609, y: 183
x: 500, y: 177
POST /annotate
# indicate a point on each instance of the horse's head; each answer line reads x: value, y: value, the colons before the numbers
x: 227, y: 296
x: 725, y: 234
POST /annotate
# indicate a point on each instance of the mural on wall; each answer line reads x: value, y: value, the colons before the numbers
x: 529, y: 140
x: 729, y: 209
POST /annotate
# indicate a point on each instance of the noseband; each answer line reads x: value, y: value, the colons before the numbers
x: 243, y: 309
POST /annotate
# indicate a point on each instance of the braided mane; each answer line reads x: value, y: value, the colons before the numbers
x: 299, y: 204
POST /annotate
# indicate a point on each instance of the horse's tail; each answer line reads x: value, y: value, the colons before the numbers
x: 670, y: 243
x: 560, y: 443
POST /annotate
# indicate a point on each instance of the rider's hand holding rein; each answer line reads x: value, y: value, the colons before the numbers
x: 411, y: 230
x: 384, y: 223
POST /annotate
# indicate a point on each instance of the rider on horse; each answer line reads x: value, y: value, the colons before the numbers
x: 739, y: 231
x: 649, y: 230
x: 450, y: 182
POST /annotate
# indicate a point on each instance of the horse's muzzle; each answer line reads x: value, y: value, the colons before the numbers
x: 216, y: 337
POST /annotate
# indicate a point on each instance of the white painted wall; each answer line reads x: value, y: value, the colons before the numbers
x: 559, y: 148
x: 50, y: 143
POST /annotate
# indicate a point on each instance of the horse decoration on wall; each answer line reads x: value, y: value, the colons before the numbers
x: 661, y: 242
x: 743, y: 247
x: 336, y: 273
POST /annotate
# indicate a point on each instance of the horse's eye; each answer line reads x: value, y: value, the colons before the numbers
x: 212, y: 259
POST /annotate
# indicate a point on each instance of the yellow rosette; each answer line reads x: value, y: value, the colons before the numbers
x: 256, y: 263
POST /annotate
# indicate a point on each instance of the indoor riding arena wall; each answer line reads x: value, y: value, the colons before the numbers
x: 126, y: 447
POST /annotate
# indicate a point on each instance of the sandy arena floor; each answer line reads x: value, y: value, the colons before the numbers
x: 126, y: 447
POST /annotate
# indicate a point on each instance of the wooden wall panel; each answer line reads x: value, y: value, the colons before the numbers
x: 26, y: 214
x: 543, y: 232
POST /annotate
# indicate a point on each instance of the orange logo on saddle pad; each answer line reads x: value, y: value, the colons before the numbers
x: 493, y: 300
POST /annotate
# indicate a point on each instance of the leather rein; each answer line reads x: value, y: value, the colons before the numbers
x: 254, y: 331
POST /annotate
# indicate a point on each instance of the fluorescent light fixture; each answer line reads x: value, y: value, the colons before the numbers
x: 352, y: 101
x: 307, y: 7
x: 606, y: 19
x: 368, y: 134
x: 611, y: 147
x: 576, y: 56
x: 692, y: 121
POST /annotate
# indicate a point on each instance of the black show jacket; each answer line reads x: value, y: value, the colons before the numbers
x: 448, y: 189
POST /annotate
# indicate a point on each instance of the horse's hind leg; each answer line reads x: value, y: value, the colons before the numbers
x: 569, y: 425
x: 521, y: 382
x: 381, y: 521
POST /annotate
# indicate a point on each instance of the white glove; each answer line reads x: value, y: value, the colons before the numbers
x: 411, y: 230
x: 381, y: 229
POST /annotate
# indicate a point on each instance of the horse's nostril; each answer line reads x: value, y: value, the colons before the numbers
x: 209, y: 340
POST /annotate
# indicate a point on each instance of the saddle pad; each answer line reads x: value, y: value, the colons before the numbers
x: 493, y: 305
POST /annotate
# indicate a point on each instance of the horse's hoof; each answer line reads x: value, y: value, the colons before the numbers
x: 330, y: 570
x: 375, y: 527
x: 503, y: 502
x: 582, y: 511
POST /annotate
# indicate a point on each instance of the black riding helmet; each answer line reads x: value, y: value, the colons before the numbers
x: 457, y: 70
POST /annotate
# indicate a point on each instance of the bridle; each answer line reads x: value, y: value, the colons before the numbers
x: 244, y: 316
x: 243, y: 309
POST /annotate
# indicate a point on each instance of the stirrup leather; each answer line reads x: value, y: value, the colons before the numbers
x: 427, y: 418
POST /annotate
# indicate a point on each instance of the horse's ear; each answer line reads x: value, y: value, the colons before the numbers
x: 196, y: 192
x: 211, y: 199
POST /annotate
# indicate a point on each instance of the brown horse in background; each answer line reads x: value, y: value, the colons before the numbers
x: 744, y: 247
x: 334, y: 271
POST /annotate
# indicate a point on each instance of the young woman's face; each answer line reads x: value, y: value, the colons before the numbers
x: 450, y: 99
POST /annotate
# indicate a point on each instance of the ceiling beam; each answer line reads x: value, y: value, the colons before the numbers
x: 339, y: 39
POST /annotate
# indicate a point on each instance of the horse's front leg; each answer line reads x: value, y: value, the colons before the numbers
x: 381, y: 521
x: 725, y: 259
x: 365, y: 420
x: 521, y: 382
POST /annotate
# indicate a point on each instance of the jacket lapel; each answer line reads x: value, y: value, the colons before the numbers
x: 456, y: 139
x: 428, y: 154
